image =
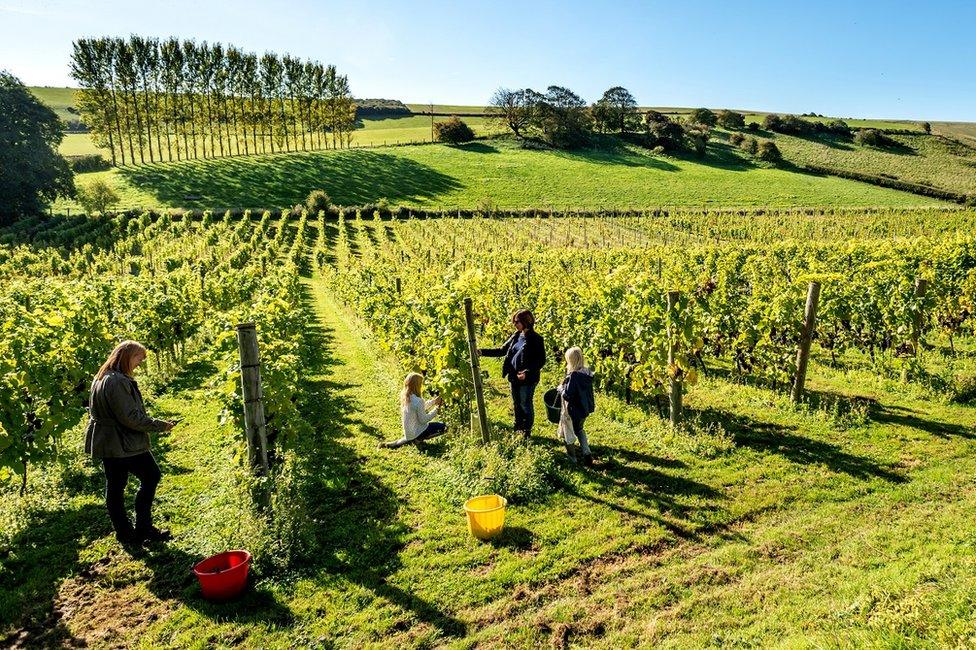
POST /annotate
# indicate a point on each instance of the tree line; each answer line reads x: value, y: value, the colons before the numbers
x: 152, y: 100
x: 560, y: 118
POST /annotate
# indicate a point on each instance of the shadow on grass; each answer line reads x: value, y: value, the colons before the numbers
x: 356, y: 533
x: 32, y: 567
x: 351, y: 177
x: 904, y: 417
x: 781, y: 440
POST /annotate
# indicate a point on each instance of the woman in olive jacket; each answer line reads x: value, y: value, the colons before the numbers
x: 118, y: 435
x: 525, y: 354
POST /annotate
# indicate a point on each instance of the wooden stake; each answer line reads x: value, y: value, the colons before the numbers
x: 674, y: 396
x: 479, y: 393
x: 803, y: 354
x: 253, y: 396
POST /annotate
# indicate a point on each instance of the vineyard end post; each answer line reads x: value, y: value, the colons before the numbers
x: 479, y: 393
x: 674, y: 393
x: 921, y: 288
x: 253, y: 396
x: 806, y: 337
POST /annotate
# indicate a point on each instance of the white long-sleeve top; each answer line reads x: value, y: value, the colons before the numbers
x: 416, y: 415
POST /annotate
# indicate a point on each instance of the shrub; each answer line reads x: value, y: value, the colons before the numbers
x: 873, y: 138
x: 750, y: 146
x: 731, y: 120
x: 97, y: 196
x: 754, y: 126
x: 703, y: 116
x: 507, y: 466
x: 698, y: 136
x: 317, y: 201
x: 89, y: 163
x: 663, y: 131
x: 769, y: 152
x: 926, y: 127
x: 736, y: 139
x: 453, y: 131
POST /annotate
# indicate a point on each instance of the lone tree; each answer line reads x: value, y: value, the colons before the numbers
x: 32, y: 172
x: 511, y: 109
x: 453, y: 131
x: 97, y: 196
x: 926, y: 127
x: 616, y: 111
x: 769, y: 152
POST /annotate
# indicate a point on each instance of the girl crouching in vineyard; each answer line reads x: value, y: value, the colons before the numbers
x: 525, y: 354
x: 417, y: 414
x: 118, y: 435
x: 578, y: 402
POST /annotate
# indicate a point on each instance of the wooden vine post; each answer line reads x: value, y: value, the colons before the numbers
x: 253, y: 395
x: 479, y: 392
x: 921, y: 288
x: 674, y: 394
x: 806, y: 337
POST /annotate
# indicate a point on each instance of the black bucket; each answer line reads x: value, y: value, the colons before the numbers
x: 554, y: 404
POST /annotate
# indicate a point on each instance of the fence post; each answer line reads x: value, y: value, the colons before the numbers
x: 253, y: 396
x: 921, y: 288
x: 674, y: 395
x: 479, y: 393
x: 806, y: 337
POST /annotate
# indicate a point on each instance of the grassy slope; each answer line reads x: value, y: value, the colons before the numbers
x: 494, y: 171
x: 932, y: 160
x: 788, y: 528
x: 58, y: 99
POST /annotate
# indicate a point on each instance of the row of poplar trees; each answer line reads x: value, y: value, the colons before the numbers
x: 149, y: 100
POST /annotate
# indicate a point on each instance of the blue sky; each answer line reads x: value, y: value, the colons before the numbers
x: 848, y: 59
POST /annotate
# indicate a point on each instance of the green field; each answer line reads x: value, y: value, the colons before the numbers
x: 58, y: 100
x: 493, y: 172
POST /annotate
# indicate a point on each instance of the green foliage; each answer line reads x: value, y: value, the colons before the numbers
x: 507, y: 466
x: 769, y: 152
x: 874, y: 138
x: 97, y: 196
x: 34, y: 173
x: 88, y: 163
x: 703, y: 116
x: 616, y: 111
x: 453, y: 131
x: 731, y: 120
x: 317, y: 201
x: 736, y: 139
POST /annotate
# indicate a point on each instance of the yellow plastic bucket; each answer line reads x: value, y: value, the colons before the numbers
x: 486, y: 515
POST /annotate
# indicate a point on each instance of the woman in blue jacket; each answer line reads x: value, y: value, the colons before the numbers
x: 525, y: 354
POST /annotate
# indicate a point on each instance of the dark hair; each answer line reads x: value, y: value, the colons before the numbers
x: 525, y: 317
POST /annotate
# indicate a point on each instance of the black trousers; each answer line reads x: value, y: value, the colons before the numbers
x: 117, y: 471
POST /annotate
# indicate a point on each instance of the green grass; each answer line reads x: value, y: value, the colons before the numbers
x: 929, y: 160
x: 769, y: 525
x: 57, y: 99
x: 495, y: 172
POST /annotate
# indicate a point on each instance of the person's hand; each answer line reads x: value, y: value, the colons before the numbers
x: 521, y: 376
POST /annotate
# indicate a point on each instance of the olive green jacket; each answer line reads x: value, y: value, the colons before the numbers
x: 118, y: 425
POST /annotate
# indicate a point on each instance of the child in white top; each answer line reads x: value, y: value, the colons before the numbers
x: 416, y: 414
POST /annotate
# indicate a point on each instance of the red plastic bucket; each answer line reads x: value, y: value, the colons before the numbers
x: 224, y: 575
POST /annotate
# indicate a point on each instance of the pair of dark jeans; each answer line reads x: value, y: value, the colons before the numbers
x: 433, y: 430
x: 117, y: 471
x: 522, y: 395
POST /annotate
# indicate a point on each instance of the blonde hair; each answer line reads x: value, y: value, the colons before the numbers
x: 412, y: 385
x: 120, y: 359
x: 574, y: 359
